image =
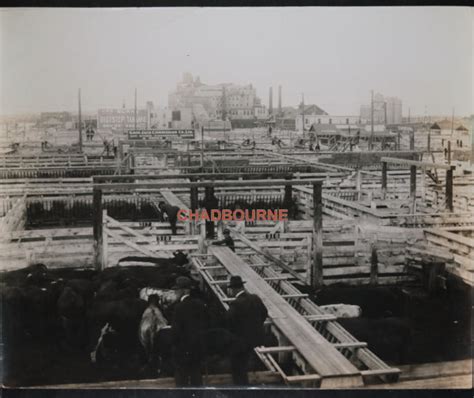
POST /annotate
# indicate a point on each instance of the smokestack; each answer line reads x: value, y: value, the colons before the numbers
x: 270, y: 102
x: 279, y: 100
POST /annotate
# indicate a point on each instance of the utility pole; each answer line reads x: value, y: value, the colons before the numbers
x: 202, y: 146
x: 385, y: 112
x: 224, y: 104
x: 371, y: 119
x: 302, y: 111
x: 452, y: 123
x: 80, y: 122
x: 135, y: 109
x: 409, y: 115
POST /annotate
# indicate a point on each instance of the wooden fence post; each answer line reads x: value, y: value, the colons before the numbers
x: 359, y: 184
x: 374, y: 264
x: 194, y: 201
x: 97, y: 219
x: 105, y: 251
x: 449, y: 189
x: 384, y: 180
x: 412, y: 188
x: 317, y: 265
x: 423, y: 184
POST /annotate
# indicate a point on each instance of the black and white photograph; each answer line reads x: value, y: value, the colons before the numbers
x: 236, y: 197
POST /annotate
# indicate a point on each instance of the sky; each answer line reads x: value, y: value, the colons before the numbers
x: 335, y: 56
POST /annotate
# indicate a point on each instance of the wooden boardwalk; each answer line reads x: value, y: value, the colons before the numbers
x: 322, y: 356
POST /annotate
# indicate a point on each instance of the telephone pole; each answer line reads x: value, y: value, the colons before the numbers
x: 452, y: 123
x: 80, y: 122
x: 371, y: 119
x: 135, y: 109
x: 302, y: 111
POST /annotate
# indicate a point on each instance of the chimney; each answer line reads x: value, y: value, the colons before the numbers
x: 279, y: 100
x: 270, y: 102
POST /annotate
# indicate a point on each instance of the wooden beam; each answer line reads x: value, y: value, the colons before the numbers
x: 267, y: 255
x: 225, y: 183
x: 407, y: 162
x: 97, y: 223
x: 413, y: 188
x: 131, y: 244
x: 384, y: 180
x: 449, y: 190
x: 316, y: 274
x: 258, y: 378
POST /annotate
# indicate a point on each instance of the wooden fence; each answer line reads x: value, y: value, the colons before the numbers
x: 14, y: 219
x: 78, y: 210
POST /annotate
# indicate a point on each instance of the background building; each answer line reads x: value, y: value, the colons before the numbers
x: 387, y: 110
x: 219, y: 101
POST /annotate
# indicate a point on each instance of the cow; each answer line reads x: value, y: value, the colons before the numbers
x: 29, y: 275
x: 342, y: 310
x: 123, y: 318
x: 374, y: 301
x: 162, y: 277
x: 71, y: 308
x: 151, y: 324
x: 166, y: 298
x: 179, y: 259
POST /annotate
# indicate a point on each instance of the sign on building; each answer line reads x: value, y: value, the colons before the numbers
x: 121, y: 119
x: 161, y: 134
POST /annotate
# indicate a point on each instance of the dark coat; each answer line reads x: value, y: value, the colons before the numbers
x: 210, y: 203
x: 171, y: 211
x: 190, y: 321
x: 246, y: 316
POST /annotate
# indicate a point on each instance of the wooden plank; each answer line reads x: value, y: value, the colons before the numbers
x: 130, y: 244
x: 257, y: 378
x: 320, y: 354
x: 267, y: 255
x: 172, y: 199
x: 408, y: 162
x: 224, y: 183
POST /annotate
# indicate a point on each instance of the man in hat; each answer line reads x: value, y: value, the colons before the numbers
x: 228, y: 241
x: 190, y: 321
x: 246, y: 316
x: 210, y: 203
x: 172, y: 214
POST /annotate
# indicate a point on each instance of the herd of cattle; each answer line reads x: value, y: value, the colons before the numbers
x: 99, y: 313
x: 94, y: 312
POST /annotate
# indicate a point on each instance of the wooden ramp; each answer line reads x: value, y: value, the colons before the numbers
x: 313, y: 349
x: 333, y: 368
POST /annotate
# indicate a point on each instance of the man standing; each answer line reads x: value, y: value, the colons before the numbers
x: 190, y: 321
x: 210, y: 203
x: 246, y: 316
x: 172, y: 214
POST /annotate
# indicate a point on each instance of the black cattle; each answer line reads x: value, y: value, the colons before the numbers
x: 179, y: 259
x: 123, y: 316
x: 390, y: 338
x: 35, y: 273
x: 119, y: 288
x: 13, y: 315
x: 84, y: 287
x: 71, y: 308
x: 39, y: 311
x: 161, y: 277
